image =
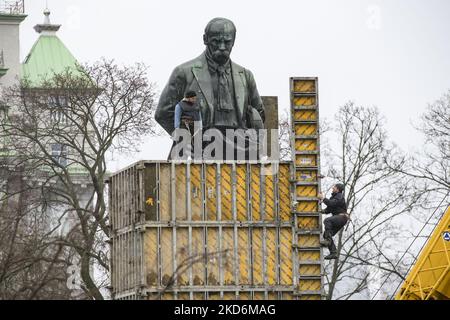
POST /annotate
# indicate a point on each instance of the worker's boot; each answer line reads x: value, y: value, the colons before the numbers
x: 332, y: 255
x: 326, y: 241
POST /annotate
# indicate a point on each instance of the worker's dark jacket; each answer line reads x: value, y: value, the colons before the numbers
x: 186, y: 110
x: 336, y: 204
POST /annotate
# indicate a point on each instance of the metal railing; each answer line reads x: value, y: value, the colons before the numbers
x: 12, y: 7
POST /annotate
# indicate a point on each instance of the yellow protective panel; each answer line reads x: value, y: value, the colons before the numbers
x: 244, y: 295
x: 304, y: 86
x: 307, y: 206
x: 306, y: 160
x: 306, y: 191
x: 288, y: 296
x: 241, y: 192
x: 183, y: 257
x: 256, y: 192
x: 180, y: 187
x: 168, y: 296
x: 270, y: 198
x: 164, y: 193
x: 305, y: 129
x: 228, y: 256
x: 308, y: 241
x: 284, y: 193
x: 310, y: 297
x: 305, y: 115
x: 244, y: 250
x: 199, y: 296
x: 305, y: 101
x: 212, y: 255
x: 306, y: 145
x: 309, y: 255
x: 286, y: 273
x: 309, y: 285
x: 151, y: 256
x: 258, y: 295
x: 229, y: 296
x: 183, y: 296
x: 226, y: 189
x: 308, y: 223
x: 214, y: 296
x: 272, y: 255
x: 273, y: 296
x: 309, y: 270
x: 306, y: 176
x: 196, y: 192
x: 198, y: 254
x: 166, y: 256
x: 211, y: 198
x: 257, y: 251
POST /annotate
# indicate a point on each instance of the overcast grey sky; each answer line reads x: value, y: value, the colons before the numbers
x: 394, y: 54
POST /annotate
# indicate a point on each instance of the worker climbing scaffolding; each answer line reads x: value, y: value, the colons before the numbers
x: 338, y: 208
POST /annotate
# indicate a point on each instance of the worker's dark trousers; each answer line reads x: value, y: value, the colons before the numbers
x: 332, y: 226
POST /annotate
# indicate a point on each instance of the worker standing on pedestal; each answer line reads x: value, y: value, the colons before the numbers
x: 188, y: 116
x: 338, y: 208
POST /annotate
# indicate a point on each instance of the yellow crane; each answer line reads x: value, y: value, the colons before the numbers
x: 429, y: 278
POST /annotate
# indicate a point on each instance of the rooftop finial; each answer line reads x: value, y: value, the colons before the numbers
x: 47, y: 27
x: 47, y: 16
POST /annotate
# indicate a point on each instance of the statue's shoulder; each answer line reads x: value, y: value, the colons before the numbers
x: 188, y: 65
x: 238, y: 68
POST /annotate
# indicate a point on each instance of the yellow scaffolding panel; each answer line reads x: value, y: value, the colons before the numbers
x: 429, y: 278
x: 306, y: 162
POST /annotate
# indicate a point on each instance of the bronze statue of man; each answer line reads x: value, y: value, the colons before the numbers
x: 226, y: 92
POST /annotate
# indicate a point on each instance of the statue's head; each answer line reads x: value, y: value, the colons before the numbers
x: 219, y: 38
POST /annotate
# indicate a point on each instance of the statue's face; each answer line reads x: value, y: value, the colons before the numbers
x: 220, y: 41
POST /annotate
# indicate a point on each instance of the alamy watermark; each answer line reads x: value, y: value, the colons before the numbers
x: 227, y: 144
x: 374, y: 20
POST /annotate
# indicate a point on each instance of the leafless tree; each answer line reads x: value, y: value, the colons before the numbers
x: 63, y: 133
x: 430, y: 166
x: 284, y: 129
x: 377, y: 195
x: 190, y: 262
x: 429, y: 169
x: 284, y: 135
x: 32, y: 266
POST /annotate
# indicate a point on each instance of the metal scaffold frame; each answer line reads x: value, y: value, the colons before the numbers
x: 224, y: 216
x: 305, y: 146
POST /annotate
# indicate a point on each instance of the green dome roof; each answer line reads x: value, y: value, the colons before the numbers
x: 48, y: 56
